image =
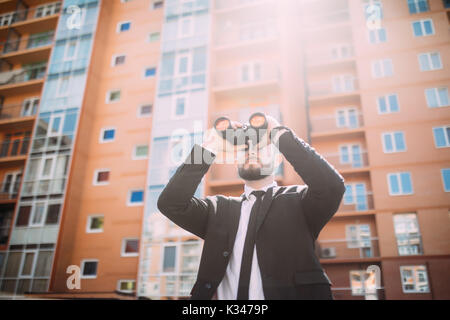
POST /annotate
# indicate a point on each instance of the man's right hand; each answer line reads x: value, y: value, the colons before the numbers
x: 214, y: 142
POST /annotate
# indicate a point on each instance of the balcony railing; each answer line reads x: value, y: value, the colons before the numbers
x: 9, y: 191
x: 330, y: 123
x: 259, y: 30
x: 231, y: 4
x: 348, y: 161
x: 16, y: 111
x: 22, y: 75
x: 176, y: 286
x: 330, y: 55
x: 409, y: 244
x: 365, y: 247
x: 327, y: 18
x: 43, y: 187
x: 357, y: 202
x: 238, y: 77
x: 34, y: 41
x: 178, y: 8
x: 14, y: 147
x: 330, y: 87
x: 33, y: 13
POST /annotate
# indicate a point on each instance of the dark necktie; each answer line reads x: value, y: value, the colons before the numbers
x: 249, y: 245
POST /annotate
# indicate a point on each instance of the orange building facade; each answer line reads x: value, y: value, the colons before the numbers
x: 102, y: 100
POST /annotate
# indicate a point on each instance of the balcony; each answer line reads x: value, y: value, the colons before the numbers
x: 43, y: 187
x: 365, y: 248
x: 229, y: 5
x: 349, y: 121
x: 176, y: 8
x: 250, y: 79
x: 356, y: 203
x: 326, y: 20
x: 25, y: 51
x: 337, y: 54
x: 9, y: 191
x: 24, y: 80
x: 245, y: 34
x: 17, y: 112
x: 14, y: 149
x: 339, y: 86
x: 347, y: 163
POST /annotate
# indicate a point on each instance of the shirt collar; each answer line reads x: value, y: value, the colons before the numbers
x: 248, y: 190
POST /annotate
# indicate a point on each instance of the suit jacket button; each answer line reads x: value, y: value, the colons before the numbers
x: 208, y: 285
x: 225, y: 254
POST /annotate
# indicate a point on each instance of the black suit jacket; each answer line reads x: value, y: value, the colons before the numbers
x: 290, y: 222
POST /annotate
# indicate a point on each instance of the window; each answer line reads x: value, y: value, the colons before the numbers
x: 388, y: 104
x: 113, y: 96
x: 343, y: 83
x: 101, y: 177
x: 118, y: 60
x: 38, y: 214
x: 430, y: 61
x: 414, y: 279
x: 135, y: 198
x: 251, y: 72
x: 356, y: 194
x: 52, y: 214
x: 55, y: 125
x: 446, y: 3
x: 363, y: 283
x: 423, y: 28
x: 185, y: 27
x: 347, y: 118
x: 393, y: 142
x: 145, y: 111
x: 130, y: 248
x: 29, y: 107
x: 182, y: 65
x: 416, y: 6
x: 23, y: 216
x: 358, y: 236
x: 89, y: 269
x: 154, y: 37
x: 95, y: 224
x: 107, y: 135
x: 407, y: 233
x: 126, y: 286
x: 437, y: 97
x: 400, y: 183
x: 157, y: 5
x: 123, y: 26
x: 442, y: 136
x: 351, y: 154
x: 149, y: 72
x: 71, y: 50
x: 179, y: 106
x: 47, y: 10
x: 140, y: 152
x: 382, y: 68
x: 377, y: 35
x: 373, y: 8
x: 446, y: 179
x: 169, y: 259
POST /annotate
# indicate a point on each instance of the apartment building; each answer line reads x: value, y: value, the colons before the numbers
x: 102, y: 100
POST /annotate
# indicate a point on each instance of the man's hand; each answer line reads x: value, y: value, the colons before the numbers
x: 214, y: 142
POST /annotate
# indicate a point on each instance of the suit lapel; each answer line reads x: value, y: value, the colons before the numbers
x: 233, y: 220
x: 265, y: 205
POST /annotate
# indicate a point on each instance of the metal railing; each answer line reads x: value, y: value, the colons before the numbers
x: 258, y: 30
x: 256, y: 74
x: 327, y: 123
x: 16, y: 111
x: 348, y: 161
x: 41, y: 143
x: 9, y: 191
x: 357, y: 202
x: 31, y: 13
x: 14, y: 147
x: 178, y: 8
x: 34, y: 41
x: 330, y: 55
x: 22, y: 75
x: 43, y: 187
x: 362, y: 248
x: 328, y: 87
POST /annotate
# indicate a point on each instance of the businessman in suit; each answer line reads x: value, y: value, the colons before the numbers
x: 259, y: 245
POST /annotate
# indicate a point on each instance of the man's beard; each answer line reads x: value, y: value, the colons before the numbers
x: 253, y: 173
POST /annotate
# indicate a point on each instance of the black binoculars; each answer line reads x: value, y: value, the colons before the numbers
x: 252, y: 131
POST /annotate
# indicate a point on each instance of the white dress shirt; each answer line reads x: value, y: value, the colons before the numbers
x: 228, y: 287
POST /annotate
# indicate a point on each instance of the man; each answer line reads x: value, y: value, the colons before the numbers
x: 259, y: 245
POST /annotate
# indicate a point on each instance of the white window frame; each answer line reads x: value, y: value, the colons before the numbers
x: 412, y: 268
x: 122, y: 250
x: 342, y: 79
x: 349, y: 240
x: 135, y: 157
x: 89, y: 220
x: 22, y: 263
x: 119, y: 25
x: 187, y: 55
x: 96, y: 172
x: 251, y: 71
x: 139, y: 111
x: 41, y: 175
x: 58, y: 90
x: 394, y: 145
x: 66, y: 49
x: 31, y: 101
x: 428, y: 55
x: 349, y: 147
x: 422, y: 27
x: 149, y: 39
x: 177, y: 257
x: 180, y: 30
x: 174, y: 116
x: 126, y: 291
x: 135, y: 204
x: 442, y: 178
x: 115, y: 56
x: 347, y: 117
x: 14, y: 175
x: 353, y: 188
x: 438, y: 98
x: 50, y: 125
x: 108, y: 96
x: 33, y: 213
x: 447, y: 138
x: 102, y: 133
x: 51, y: 5
x: 381, y: 63
x: 401, y: 193
x: 82, y: 268
x: 377, y: 35
x: 145, y: 77
x: 365, y: 292
x: 388, y: 104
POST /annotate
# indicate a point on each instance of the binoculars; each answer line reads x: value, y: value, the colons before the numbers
x: 252, y: 131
